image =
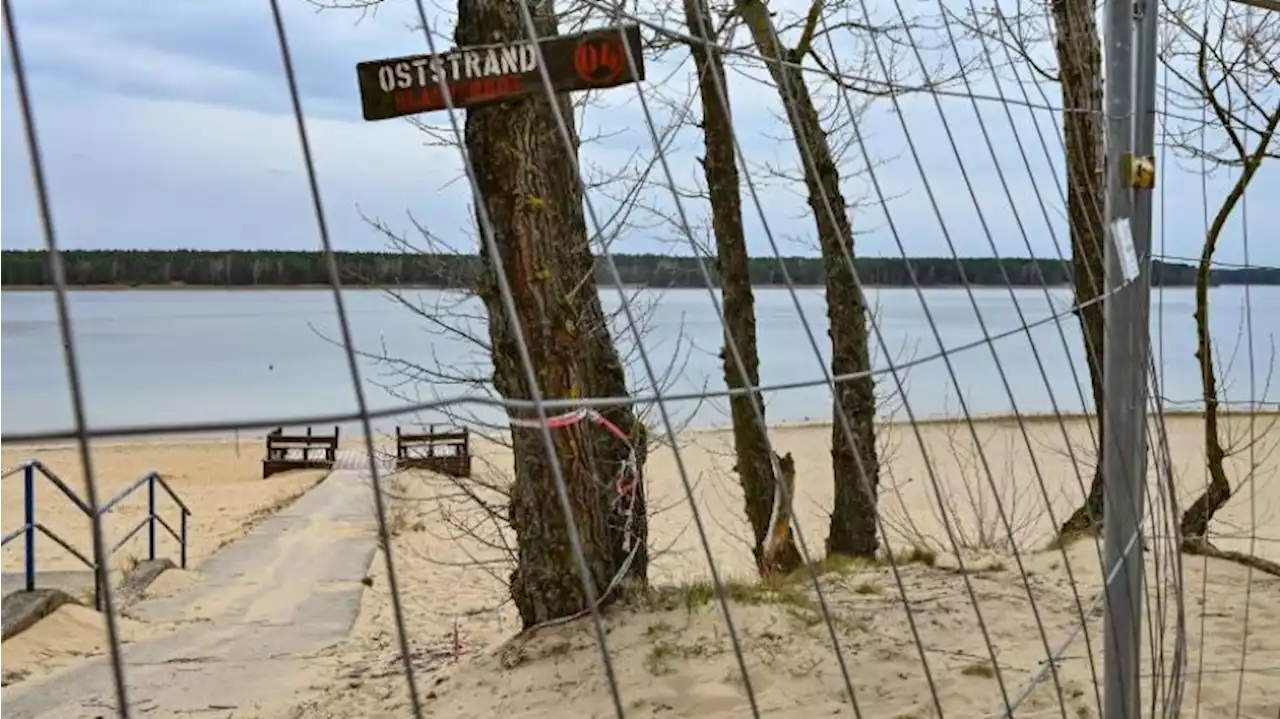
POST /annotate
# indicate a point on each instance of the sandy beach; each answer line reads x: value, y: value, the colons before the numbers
x: 672, y: 656
x: 220, y: 481
x: 670, y: 649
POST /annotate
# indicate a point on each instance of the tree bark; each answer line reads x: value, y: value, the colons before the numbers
x: 853, y: 519
x: 528, y: 184
x: 750, y: 439
x: 1079, y: 54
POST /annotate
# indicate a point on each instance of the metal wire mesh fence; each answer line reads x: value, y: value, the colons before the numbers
x: 948, y: 584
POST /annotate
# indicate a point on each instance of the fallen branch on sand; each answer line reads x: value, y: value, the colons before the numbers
x: 1202, y: 547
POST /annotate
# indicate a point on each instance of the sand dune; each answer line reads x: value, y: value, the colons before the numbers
x: 671, y: 651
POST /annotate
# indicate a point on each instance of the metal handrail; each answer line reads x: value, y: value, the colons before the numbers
x: 153, y: 520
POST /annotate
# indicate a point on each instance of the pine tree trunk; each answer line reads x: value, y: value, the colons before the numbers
x: 754, y: 464
x: 1080, y: 71
x: 853, y: 519
x: 529, y: 186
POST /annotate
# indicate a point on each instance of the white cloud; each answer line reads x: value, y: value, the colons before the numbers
x: 104, y: 57
x: 127, y: 171
x: 169, y: 126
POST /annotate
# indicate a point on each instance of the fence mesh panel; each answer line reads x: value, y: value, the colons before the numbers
x: 970, y: 586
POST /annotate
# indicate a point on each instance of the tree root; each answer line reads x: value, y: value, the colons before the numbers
x: 1202, y: 547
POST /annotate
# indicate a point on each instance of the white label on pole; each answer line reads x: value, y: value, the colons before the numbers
x: 1123, y: 239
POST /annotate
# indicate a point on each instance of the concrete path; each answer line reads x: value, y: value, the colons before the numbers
x: 357, y: 459
x: 289, y: 589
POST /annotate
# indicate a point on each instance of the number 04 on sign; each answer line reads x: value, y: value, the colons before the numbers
x: 485, y: 74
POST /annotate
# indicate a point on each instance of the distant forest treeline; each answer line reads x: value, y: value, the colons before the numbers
x: 271, y: 268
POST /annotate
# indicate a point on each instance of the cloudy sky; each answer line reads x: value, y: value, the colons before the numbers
x: 168, y: 125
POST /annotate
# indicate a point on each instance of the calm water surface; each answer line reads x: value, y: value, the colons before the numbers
x: 159, y: 356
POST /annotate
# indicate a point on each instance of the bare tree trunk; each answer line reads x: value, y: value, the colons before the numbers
x: 530, y: 188
x: 1080, y: 70
x: 1195, y: 521
x: 754, y: 464
x: 853, y: 519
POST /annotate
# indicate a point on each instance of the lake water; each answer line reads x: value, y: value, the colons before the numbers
x: 161, y: 356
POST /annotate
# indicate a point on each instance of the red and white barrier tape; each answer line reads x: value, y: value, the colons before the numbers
x: 626, y: 484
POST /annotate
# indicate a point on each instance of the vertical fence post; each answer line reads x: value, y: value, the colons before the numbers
x: 1124, y: 381
x: 29, y: 516
x: 183, y: 532
x: 151, y: 521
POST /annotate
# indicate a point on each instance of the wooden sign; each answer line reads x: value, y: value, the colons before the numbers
x: 482, y: 75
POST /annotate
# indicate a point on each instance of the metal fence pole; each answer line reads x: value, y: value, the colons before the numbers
x: 29, y: 516
x: 1144, y: 139
x: 1144, y: 148
x: 151, y: 521
x: 1124, y: 377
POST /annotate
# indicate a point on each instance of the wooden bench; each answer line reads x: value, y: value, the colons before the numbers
x: 447, y: 452
x: 299, y: 451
